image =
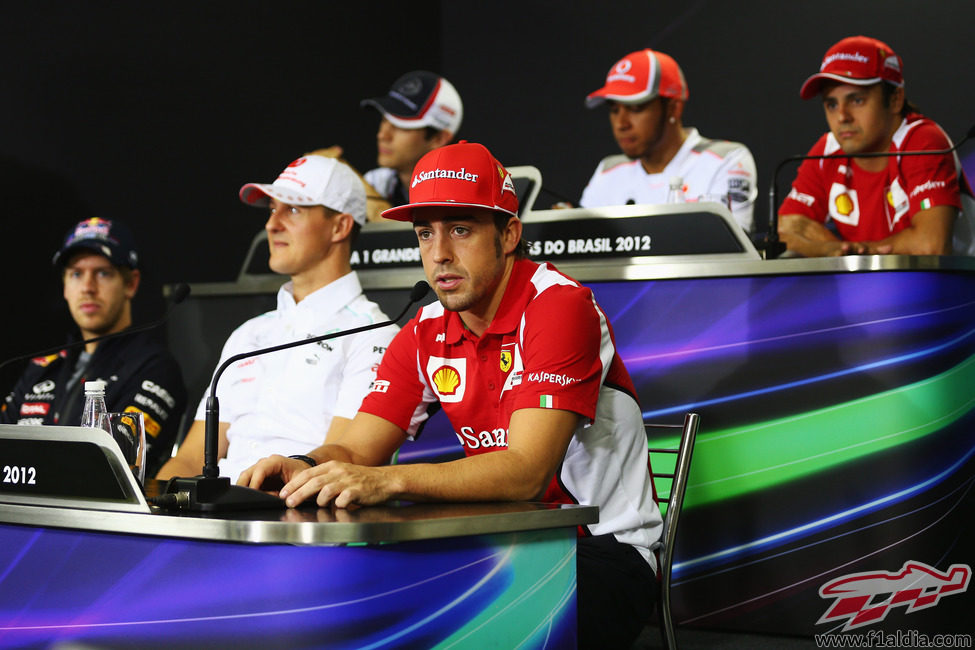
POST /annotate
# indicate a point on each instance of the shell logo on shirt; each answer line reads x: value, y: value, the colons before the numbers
x: 446, y: 380
x: 843, y: 204
x: 447, y: 377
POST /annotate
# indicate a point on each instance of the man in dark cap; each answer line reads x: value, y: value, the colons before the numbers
x: 100, y: 271
x: 422, y: 111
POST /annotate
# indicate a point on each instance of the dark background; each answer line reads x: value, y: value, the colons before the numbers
x: 157, y: 113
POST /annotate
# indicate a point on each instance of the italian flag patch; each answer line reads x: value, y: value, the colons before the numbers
x: 925, y: 204
x: 546, y: 401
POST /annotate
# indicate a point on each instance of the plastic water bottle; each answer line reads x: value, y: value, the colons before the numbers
x: 675, y: 193
x: 93, y: 415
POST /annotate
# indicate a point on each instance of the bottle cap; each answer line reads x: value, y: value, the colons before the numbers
x: 676, y: 182
x: 94, y: 386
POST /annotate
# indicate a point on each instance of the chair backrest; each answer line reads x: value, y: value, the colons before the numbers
x: 528, y: 183
x: 670, y: 464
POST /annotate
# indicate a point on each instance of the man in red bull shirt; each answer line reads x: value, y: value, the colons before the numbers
x: 850, y: 204
x: 99, y: 269
x: 523, y: 362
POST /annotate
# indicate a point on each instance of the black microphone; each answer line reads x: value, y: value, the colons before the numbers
x: 773, y: 247
x: 179, y: 293
x: 211, y: 492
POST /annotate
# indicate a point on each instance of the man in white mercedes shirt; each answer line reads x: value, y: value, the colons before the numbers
x: 291, y: 401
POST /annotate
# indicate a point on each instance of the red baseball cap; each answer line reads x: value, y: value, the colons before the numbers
x: 462, y: 174
x: 858, y: 60
x: 639, y: 77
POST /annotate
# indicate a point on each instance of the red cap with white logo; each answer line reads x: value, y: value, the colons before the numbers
x: 463, y: 175
x: 639, y: 77
x: 313, y: 180
x: 858, y: 60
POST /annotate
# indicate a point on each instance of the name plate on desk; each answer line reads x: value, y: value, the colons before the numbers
x: 70, y: 467
x: 620, y: 232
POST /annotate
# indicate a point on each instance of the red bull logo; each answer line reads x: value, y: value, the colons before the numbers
x: 93, y: 228
x: 866, y: 598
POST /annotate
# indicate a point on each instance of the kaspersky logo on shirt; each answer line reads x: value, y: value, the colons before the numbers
x: 447, y: 377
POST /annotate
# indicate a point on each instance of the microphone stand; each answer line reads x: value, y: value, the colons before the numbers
x: 772, y: 246
x: 179, y: 294
x: 210, y: 492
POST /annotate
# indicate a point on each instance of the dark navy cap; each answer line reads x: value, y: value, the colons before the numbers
x: 109, y: 238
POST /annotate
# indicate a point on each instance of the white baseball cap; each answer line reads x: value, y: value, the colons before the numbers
x: 313, y: 180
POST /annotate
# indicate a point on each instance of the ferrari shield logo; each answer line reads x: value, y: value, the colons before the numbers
x: 505, y: 360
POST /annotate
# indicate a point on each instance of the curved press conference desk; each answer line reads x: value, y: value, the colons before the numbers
x: 461, y: 575
x: 837, y: 412
x: 836, y: 400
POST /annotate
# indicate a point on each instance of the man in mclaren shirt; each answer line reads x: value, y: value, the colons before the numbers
x: 545, y: 411
x: 99, y: 267
x: 645, y: 93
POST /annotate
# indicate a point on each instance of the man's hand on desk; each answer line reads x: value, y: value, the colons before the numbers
x: 271, y: 473
x: 863, y: 248
x: 334, y: 482
x: 341, y: 484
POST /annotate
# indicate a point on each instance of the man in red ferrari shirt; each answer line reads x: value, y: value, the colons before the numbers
x: 849, y: 204
x: 523, y: 362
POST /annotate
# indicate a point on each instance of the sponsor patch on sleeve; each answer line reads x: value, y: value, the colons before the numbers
x: 152, y: 427
x: 548, y: 401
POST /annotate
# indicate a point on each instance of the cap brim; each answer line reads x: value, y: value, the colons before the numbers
x: 600, y: 96
x: 398, y: 113
x: 93, y: 245
x: 405, y: 212
x: 259, y: 194
x: 813, y: 84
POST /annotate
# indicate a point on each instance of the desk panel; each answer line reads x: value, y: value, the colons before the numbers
x: 837, y: 432
x: 105, y: 589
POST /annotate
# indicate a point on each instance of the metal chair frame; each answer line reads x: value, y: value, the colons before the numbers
x: 678, y: 486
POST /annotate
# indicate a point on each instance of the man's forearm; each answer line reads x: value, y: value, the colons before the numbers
x: 177, y: 466
x: 809, y: 238
x: 929, y: 233
x: 497, y: 476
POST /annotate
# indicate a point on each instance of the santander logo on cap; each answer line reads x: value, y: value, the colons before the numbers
x: 465, y: 174
x: 460, y: 174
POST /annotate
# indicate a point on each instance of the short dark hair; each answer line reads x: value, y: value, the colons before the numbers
x: 501, y: 219
x: 354, y: 233
x: 887, y: 93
